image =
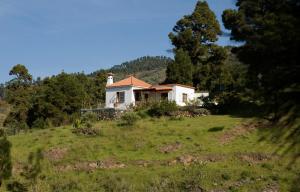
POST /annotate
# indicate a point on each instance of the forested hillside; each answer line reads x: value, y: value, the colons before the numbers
x: 148, y: 68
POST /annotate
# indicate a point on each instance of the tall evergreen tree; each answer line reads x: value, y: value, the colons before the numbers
x: 197, y: 34
x: 180, y: 70
x: 270, y: 31
x: 18, y: 94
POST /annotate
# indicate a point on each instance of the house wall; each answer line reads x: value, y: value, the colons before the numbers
x: 175, y: 95
x: 111, y: 97
x: 178, y: 91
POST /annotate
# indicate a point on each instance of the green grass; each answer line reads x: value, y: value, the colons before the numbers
x: 228, y: 166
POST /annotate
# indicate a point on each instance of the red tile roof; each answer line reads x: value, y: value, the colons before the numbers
x: 130, y: 81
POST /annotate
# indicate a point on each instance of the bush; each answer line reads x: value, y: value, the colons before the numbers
x: 129, y: 118
x: 226, y: 176
x: 40, y: 123
x: 163, y: 108
x: 198, y: 111
x: 89, y: 117
x: 142, y: 114
x: 88, y: 131
x: 84, y: 126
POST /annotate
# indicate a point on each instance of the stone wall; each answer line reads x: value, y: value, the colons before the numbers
x: 104, y: 113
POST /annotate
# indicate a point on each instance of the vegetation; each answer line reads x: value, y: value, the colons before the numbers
x: 54, y: 100
x: 129, y: 119
x: 270, y: 32
x: 180, y: 70
x: 150, y: 69
x: 159, y: 155
x: 163, y: 108
x: 196, y: 35
x: 162, y: 151
x: 5, y: 157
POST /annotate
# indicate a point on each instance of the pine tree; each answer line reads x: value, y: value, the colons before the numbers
x: 180, y: 70
x: 270, y: 31
x: 196, y: 34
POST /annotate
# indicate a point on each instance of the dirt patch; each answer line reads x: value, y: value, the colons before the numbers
x: 240, y: 130
x: 253, y: 157
x: 56, y: 154
x: 17, y: 168
x: 212, y: 158
x: 93, y: 165
x: 271, y: 188
x: 170, y: 148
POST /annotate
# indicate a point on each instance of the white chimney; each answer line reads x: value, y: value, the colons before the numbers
x: 110, y: 79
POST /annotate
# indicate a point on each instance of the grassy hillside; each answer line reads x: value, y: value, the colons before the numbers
x: 215, y: 153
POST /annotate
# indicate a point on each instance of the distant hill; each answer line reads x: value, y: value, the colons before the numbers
x: 149, y: 68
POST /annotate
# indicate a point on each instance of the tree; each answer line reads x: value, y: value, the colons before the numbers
x: 270, y: 32
x: 180, y: 70
x: 194, y: 33
x: 18, y: 94
x: 22, y: 75
x: 2, y: 88
x: 5, y: 158
x: 197, y: 34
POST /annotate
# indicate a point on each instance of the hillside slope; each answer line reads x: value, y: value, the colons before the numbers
x: 215, y: 153
x: 150, y: 69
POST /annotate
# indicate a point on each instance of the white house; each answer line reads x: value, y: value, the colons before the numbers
x: 130, y: 91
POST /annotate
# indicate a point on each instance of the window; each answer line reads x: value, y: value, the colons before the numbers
x: 137, y: 96
x: 146, y: 97
x: 184, y: 97
x: 164, y: 96
x: 120, y: 97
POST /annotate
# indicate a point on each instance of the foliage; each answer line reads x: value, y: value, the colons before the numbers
x: 5, y: 157
x: 18, y: 94
x: 196, y: 111
x: 87, y: 130
x: 22, y: 76
x: 129, y: 118
x: 52, y: 101
x: 270, y: 32
x: 148, y: 68
x: 30, y: 172
x: 196, y: 34
x: 163, y: 108
x: 84, y: 125
x: 2, y: 88
x: 33, y: 168
x: 180, y: 70
x: 15, y: 186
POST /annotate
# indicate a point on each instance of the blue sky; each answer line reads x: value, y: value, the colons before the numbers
x: 49, y: 36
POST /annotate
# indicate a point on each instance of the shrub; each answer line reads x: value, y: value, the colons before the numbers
x: 88, y: 131
x: 40, y: 123
x: 65, y: 186
x: 176, y: 118
x: 216, y: 129
x: 142, y: 114
x: 129, y: 118
x: 245, y: 174
x: 163, y: 108
x: 226, y: 176
x: 85, y: 127
x: 89, y: 117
